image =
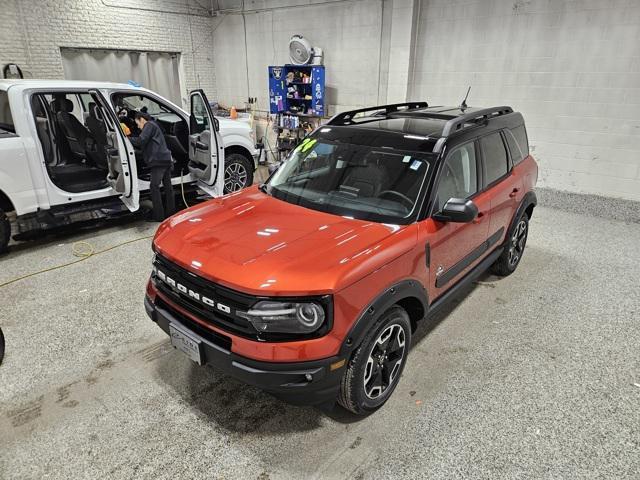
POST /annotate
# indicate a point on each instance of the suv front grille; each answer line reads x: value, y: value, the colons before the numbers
x: 219, y: 306
x: 220, y: 303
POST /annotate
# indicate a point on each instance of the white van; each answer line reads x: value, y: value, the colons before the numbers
x: 64, y: 156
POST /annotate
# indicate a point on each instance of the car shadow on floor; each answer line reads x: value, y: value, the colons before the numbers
x: 243, y: 409
x: 77, y: 231
x: 425, y: 327
x: 233, y: 405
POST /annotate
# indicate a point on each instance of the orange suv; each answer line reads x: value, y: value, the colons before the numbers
x: 310, y: 285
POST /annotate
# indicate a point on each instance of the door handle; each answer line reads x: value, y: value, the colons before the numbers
x: 514, y: 192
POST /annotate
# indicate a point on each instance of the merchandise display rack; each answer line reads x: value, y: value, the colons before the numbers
x: 296, y: 97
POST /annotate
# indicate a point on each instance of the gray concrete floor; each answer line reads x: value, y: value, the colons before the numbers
x: 532, y: 376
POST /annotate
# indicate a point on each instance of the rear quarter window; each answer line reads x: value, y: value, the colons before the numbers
x: 6, y: 120
x: 518, y: 143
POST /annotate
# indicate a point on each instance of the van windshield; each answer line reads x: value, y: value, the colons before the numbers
x: 6, y: 120
x: 359, y: 181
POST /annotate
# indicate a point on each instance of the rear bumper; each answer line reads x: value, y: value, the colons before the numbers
x: 302, y: 383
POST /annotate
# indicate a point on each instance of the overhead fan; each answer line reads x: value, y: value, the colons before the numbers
x: 302, y: 53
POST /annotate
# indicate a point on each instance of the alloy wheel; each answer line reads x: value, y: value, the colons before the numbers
x: 385, y: 361
x: 235, y: 177
x: 516, y: 245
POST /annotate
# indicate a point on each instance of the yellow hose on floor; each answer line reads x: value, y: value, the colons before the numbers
x: 80, y: 249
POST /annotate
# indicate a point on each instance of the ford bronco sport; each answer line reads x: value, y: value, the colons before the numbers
x: 64, y: 158
x: 311, y: 285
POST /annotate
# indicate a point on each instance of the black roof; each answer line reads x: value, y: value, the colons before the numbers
x: 416, y: 122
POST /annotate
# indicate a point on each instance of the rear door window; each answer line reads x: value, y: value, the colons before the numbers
x: 6, y: 120
x: 494, y: 155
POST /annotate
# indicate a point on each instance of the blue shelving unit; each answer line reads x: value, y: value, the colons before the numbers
x: 297, y: 89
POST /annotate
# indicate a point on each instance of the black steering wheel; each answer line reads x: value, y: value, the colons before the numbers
x: 399, y: 195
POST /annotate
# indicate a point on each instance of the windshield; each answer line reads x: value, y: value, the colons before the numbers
x: 359, y: 181
x: 6, y: 121
x: 140, y: 103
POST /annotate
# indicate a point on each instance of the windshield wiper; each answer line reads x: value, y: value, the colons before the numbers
x: 263, y: 188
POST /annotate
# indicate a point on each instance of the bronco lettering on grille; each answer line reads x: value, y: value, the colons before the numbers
x: 176, y: 285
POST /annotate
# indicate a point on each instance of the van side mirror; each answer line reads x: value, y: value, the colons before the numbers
x: 459, y: 210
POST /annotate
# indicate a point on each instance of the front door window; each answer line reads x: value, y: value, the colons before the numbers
x: 459, y: 177
x: 172, y: 124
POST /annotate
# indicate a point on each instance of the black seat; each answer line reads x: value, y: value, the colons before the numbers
x: 98, y: 131
x: 42, y: 128
x: 366, y: 179
x: 74, y: 131
x: 61, y: 144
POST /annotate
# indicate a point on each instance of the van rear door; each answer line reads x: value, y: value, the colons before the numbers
x: 122, y: 174
x: 206, y: 151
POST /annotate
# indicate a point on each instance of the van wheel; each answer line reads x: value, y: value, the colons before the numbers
x: 510, y: 258
x: 376, y: 366
x: 5, y: 231
x: 238, y: 172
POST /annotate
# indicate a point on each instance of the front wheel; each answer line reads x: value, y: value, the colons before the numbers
x: 5, y: 231
x: 508, y: 261
x: 238, y: 172
x: 375, y: 369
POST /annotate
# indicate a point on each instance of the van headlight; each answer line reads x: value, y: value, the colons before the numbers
x: 285, y: 317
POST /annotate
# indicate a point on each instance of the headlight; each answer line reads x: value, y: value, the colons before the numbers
x: 285, y: 317
x: 154, y: 269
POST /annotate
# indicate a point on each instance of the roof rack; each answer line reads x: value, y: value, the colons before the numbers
x: 456, y: 124
x: 345, y: 118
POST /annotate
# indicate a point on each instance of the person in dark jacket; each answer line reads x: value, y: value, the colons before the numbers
x: 158, y: 158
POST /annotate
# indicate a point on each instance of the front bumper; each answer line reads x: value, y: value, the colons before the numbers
x: 302, y: 383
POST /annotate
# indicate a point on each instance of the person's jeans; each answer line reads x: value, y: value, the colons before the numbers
x: 162, y: 175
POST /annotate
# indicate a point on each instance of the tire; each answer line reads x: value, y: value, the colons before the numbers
x: 514, y: 246
x: 359, y: 392
x: 1, y: 345
x: 238, y: 172
x: 5, y: 231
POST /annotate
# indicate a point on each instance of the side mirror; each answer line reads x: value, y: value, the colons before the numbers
x: 459, y: 210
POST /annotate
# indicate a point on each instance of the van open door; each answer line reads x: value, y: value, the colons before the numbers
x: 122, y: 174
x: 206, y: 152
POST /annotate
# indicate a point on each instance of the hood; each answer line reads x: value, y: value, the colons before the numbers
x: 238, y: 127
x: 252, y: 242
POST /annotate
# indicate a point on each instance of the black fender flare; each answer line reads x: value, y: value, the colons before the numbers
x: 528, y: 200
x: 389, y: 297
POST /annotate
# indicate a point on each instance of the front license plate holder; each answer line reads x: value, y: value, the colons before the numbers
x: 186, y: 342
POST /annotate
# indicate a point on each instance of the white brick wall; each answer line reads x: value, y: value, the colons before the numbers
x: 31, y: 33
x: 348, y: 32
x: 571, y: 67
